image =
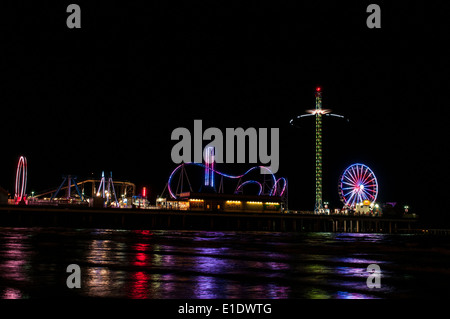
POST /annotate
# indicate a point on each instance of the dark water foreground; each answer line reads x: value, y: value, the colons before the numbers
x: 195, y: 264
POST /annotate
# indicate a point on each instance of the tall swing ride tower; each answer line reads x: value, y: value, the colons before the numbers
x: 318, y: 113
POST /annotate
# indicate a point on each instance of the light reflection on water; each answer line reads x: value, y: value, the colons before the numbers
x: 189, y: 264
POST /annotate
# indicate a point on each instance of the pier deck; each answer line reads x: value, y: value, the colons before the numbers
x: 83, y: 217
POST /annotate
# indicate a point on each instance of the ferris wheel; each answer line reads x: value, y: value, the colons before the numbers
x: 21, y: 180
x: 357, y: 184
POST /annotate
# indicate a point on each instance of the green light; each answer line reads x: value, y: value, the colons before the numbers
x: 318, y: 205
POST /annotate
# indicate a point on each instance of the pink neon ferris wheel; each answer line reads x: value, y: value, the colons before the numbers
x: 357, y: 184
x: 21, y: 180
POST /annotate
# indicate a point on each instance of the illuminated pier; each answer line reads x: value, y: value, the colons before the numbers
x: 85, y: 217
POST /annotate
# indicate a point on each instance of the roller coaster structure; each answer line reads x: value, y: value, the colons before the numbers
x: 278, y: 186
x: 105, y: 188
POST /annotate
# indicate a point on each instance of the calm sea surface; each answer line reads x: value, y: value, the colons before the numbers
x: 198, y: 264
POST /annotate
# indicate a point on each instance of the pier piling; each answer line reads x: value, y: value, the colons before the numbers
x: 175, y: 219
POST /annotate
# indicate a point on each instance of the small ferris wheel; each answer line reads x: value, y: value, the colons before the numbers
x: 357, y: 184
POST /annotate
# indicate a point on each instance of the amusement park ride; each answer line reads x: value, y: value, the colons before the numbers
x: 273, y: 187
x: 318, y: 112
x: 105, y: 194
x: 268, y: 194
x: 358, y: 186
x: 277, y: 187
x: 20, y: 195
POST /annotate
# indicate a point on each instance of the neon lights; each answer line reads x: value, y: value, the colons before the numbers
x: 250, y: 182
x: 318, y: 112
x: 170, y: 180
x: 21, y: 180
x: 318, y: 206
x: 222, y: 174
x: 283, y: 189
x: 357, y: 184
x: 209, y: 168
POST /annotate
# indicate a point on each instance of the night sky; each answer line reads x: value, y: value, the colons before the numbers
x: 107, y: 96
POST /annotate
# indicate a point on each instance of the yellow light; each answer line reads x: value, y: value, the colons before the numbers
x: 233, y: 201
x: 195, y: 200
x: 272, y: 203
x: 252, y: 202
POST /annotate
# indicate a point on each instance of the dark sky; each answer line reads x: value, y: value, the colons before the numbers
x: 107, y: 96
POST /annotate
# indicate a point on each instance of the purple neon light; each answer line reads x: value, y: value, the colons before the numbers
x: 220, y: 173
x: 209, y: 169
x: 170, y: 180
x: 274, y: 189
x: 250, y: 182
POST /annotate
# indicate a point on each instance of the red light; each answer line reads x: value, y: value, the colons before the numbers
x: 144, y: 192
x: 318, y: 89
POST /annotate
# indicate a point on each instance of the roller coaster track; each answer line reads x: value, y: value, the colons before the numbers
x: 274, y: 191
x: 93, y: 182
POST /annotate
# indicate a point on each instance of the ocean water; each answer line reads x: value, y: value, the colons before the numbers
x: 160, y: 264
